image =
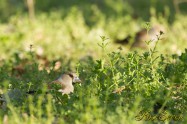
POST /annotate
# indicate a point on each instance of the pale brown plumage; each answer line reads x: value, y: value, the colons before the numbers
x: 142, y: 36
x: 66, y: 82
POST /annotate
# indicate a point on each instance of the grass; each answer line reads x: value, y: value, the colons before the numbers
x: 118, y: 83
x: 146, y: 78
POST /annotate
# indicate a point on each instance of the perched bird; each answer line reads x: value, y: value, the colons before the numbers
x: 142, y: 36
x: 66, y: 82
x: 66, y: 87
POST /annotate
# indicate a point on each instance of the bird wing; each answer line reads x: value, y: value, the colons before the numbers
x: 55, y: 82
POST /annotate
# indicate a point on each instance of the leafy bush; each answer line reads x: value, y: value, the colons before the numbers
x: 115, y: 88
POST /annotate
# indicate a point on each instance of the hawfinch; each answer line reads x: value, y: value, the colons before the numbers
x: 66, y: 82
x: 142, y: 36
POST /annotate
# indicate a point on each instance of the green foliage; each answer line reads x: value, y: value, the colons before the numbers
x: 115, y: 88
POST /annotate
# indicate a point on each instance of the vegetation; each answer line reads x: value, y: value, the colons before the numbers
x: 120, y: 85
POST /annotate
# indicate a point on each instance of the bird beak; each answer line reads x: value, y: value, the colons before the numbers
x: 76, y: 80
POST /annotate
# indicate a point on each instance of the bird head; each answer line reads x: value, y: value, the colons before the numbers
x: 74, y: 77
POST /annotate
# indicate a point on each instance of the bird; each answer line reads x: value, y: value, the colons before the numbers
x: 66, y: 82
x: 142, y: 36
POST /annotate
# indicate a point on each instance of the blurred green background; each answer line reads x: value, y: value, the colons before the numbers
x: 73, y: 28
